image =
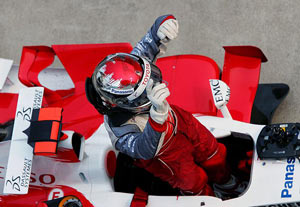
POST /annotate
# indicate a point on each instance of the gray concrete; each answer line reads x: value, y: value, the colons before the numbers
x: 205, y: 26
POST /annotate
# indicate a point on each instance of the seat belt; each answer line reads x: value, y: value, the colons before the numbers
x: 140, y: 198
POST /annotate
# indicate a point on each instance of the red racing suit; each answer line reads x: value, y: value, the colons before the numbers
x: 180, y: 151
x: 184, y: 153
x: 189, y: 154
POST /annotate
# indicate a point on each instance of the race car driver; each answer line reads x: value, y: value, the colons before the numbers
x: 164, y: 139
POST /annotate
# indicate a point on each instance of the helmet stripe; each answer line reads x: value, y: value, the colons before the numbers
x: 146, y: 77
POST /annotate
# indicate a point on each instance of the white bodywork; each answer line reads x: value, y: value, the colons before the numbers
x: 5, y: 67
x: 89, y: 176
x: 19, y: 165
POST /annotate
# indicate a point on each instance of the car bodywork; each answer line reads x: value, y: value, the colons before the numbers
x: 86, y: 172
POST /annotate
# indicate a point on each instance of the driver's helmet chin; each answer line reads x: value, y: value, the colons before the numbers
x: 121, y: 79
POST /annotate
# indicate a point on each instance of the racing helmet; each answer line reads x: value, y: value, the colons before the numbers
x: 121, y: 79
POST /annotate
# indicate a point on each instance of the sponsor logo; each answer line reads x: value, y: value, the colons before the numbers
x: 56, y: 193
x: 220, y: 93
x: 145, y: 79
x: 26, y: 173
x: 121, y: 92
x: 14, y: 183
x: 38, y: 97
x: 289, y: 178
x: 42, y: 179
x: 216, y: 90
x: 147, y: 74
x: 283, y: 205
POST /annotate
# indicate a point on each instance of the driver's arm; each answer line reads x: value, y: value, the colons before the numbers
x: 141, y: 137
x: 136, y: 140
x: 164, y: 29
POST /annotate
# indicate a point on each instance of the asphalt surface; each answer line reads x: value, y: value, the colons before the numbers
x: 205, y: 26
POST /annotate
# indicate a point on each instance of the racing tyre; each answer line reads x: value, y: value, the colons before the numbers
x: 70, y: 201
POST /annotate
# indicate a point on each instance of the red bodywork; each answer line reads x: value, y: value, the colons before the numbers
x: 187, y: 77
x: 241, y: 73
x: 79, y: 61
x: 38, y: 194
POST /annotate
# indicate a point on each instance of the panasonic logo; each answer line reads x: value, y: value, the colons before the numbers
x: 125, y: 92
x: 289, y: 177
x: 283, y: 205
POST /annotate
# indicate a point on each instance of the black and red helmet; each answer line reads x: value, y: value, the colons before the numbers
x: 121, y: 79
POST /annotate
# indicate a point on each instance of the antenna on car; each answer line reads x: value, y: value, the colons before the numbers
x: 221, y: 95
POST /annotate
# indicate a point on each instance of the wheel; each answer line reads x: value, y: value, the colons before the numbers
x: 70, y: 201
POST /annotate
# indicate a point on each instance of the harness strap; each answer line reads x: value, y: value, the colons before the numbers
x: 140, y: 198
